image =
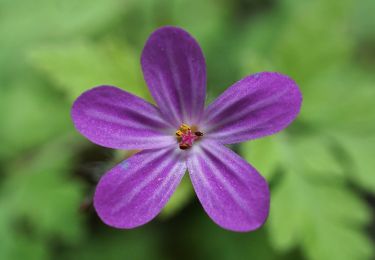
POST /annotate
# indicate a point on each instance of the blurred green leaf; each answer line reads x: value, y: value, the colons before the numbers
x: 296, y: 39
x: 314, y: 156
x: 206, y: 240
x: 24, y: 24
x: 30, y: 114
x: 110, y: 244
x: 361, y: 150
x: 310, y: 154
x: 311, y: 206
x: 264, y: 154
x: 341, y: 100
x: 325, y: 219
x: 43, y: 19
x: 14, y: 245
x: 208, y: 21
x: 77, y: 67
x: 363, y: 22
x: 39, y: 190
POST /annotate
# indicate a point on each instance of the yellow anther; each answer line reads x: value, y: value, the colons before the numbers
x: 184, y: 128
x: 187, y: 135
x: 179, y: 133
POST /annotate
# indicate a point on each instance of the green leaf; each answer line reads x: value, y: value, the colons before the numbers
x: 264, y: 154
x: 362, y: 20
x: 113, y: 244
x: 207, y: 22
x: 296, y: 40
x: 26, y: 24
x: 43, y: 19
x: 31, y: 114
x: 314, y: 155
x: 77, y: 67
x: 13, y: 245
x: 325, y: 219
x: 214, y: 242
x: 39, y: 191
x: 361, y: 152
x: 341, y: 100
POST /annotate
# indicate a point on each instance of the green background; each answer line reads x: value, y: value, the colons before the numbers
x: 321, y: 170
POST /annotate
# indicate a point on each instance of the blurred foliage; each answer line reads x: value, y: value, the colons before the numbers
x: 104, y: 63
x: 321, y: 169
x: 314, y: 203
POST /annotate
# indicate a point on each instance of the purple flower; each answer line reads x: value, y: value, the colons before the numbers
x: 181, y: 134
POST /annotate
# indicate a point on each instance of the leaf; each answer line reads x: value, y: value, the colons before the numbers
x: 43, y: 19
x: 24, y: 24
x: 13, y: 245
x: 38, y: 190
x: 315, y: 156
x: 264, y: 154
x: 214, y: 242
x: 207, y: 22
x: 325, y: 219
x: 113, y: 244
x: 314, y: 153
x: 216, y: 33
x: 77, y: 67
x: 363, y: 22
x: 297, y: 40
x: 31, y: 114
x: 361, y: 151
x: 19, y: 247
x: 341, y: 100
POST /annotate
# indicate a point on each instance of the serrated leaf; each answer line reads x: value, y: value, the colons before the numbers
x: 315, y: 155
x: 322, y: 218
x: 264, y: 154
x: 77, y: 67
x: 361, y: 150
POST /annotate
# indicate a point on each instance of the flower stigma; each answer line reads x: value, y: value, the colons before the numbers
x: 187, y: 135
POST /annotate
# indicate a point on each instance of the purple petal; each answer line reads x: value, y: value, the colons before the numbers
x: 175, y: 71
x: 114, y: 118
x: 258, y: 105
x: 231, y: 191
x: 134, y: 192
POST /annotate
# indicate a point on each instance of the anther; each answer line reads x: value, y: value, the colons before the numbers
x: 187, y: 135
x: 198, y: 133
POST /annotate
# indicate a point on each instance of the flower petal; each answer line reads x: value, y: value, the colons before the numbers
x: 231, y: 191
x: 114, y: 118
x: 175, y: 71
x: 258, y: 105
x: 134, y: 192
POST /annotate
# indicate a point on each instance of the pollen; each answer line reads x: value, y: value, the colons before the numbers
x: 187, y: 135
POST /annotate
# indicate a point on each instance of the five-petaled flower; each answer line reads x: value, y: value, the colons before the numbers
x: 181, y: 134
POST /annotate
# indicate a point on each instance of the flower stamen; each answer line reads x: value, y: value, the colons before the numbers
x: 187, y: 135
